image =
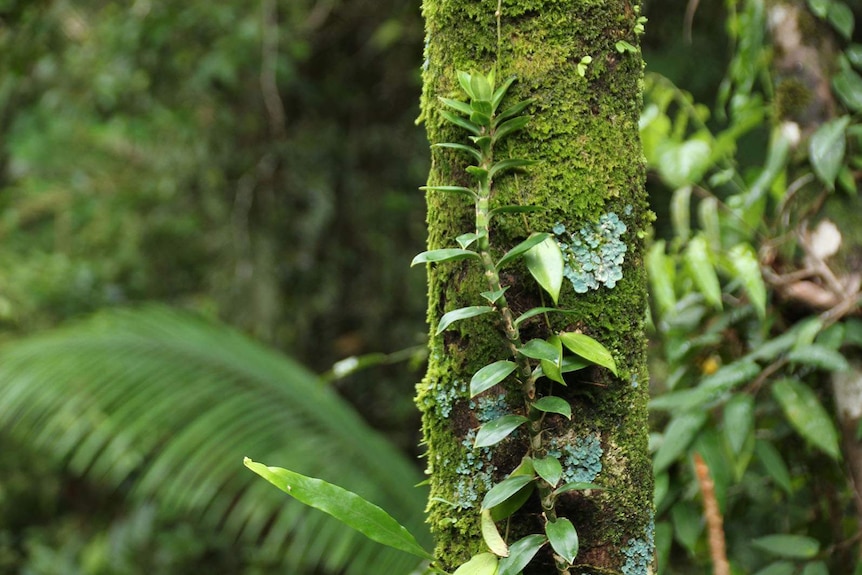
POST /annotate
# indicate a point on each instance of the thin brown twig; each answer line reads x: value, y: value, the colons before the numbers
x: 714, y: 521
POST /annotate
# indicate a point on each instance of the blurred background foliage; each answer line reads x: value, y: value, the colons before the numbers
x: 257, y: 164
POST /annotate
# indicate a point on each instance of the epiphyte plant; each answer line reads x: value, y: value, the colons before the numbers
x: 529, y: 362
x: 545, y: 469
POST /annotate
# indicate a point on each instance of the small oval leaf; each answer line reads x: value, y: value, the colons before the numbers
x: 553, y: 404
x: 490, y: 375
x: 589, y: 349
x: 563, y: 537
x: 549, y: 469
x: 545, y: 263
x: 461, y: 313
x: 497, y: 430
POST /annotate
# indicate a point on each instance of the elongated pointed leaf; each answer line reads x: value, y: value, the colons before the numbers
x: 461, y: 313
x: 462, y: 107
x: 788, y: 546
x: 746, y: 266
x: 444, y: 255
x: 578, y: 486
x: 481, y: 87
x: 494, y: 296
x: 461, y: 122
x: 461, y: 147
x: 450, y: 189
x: 680, y: 211
x: 589, y: 349
x: 564, y: 538
x: 807, y: 415
x: 819, y: 356
x: 771, y: 460
x: 490, y: 375
x: 491, y: 536
x: 551, y: 404
x: 738, y: 421
x: 522, y: 247
x: 500, y: 92
x: 509, y: 164
x: 549, y: 469
x: 826, y: 150
x: 521, y: 552
x: 540, y: 349
x: 510, y: 126
x: 661, y: 272
x: 346, y: 506
x: 678, y: 435
x: 464, y: 80
x: 513, y: 110
x: 465, y: 240
x: 481, y: 564
x: 700, y: 266
x: 504, y: 490
x: 545, y: 263
x: 497, y: 430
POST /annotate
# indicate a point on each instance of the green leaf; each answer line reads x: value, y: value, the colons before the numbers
x: 819, y: 356
x: 661, y: 272
x: 500, y: 93
x: 589, y: 349
x: 540, y: 349
x: 771, y: 460
x: 680, y: 211
x: 461, y: 147
x: 462, y: 313
x: 504, y: 490
x: 545, y: 263
x: 848, y: 86
x: 841, y: 18
x: 465, y: 240
x: 552, y: 404
x: 494, y: 296
x: 516, y: 501
x: 826, y: 149
x: 807, y: 416
x: 778, y: 568
x: 699, y: 263
x: 346, y: 506
x: 481, y: 106
x: 513, y: 110
x: 510, y: 126
x: 710, y: 389
x: 481, y: 564
x: 551, y: 370
x: 788, y: 546
x: 738, y: 421
x: 522, y: 247
x: 816, y: 568
x: 461, y: 122
x: 490, y: 375
x: 481, y: 87
x: 819, y: 7
x: 509, y: 164
x: 577, y: 486
x: 563, y: 537
x: 678, y: 435
x: 480, y: 119
x: 707, y: 215
x: 444, y: 255
x: 495, y: 431
x: 538, y: 310
x: 746, y: 267
x: 854, y: 55
x: 450, y: 189
x: 687, y: 524
x: 549, y: 469
x: 521, y: 552
x: 462, y: 107
x: 464, y: 80
x: 491, y: 536
x: 623, y: 46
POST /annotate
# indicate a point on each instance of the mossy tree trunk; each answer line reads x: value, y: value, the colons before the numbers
x: 590, y: 182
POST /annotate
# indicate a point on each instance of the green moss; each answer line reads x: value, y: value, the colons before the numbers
x: 792, y: 97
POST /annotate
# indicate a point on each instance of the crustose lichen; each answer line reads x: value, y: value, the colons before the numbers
x: 594, y: 254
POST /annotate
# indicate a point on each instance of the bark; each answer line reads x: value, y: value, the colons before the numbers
x: 584, y: 133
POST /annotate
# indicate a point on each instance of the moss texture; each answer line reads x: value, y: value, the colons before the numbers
x: 584, y: 133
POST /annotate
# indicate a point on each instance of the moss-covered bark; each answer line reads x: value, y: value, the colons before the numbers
x: 584, y: 133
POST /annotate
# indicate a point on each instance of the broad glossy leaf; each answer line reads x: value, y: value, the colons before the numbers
x: 699, y: 263
x: 549, y: 469
x: 738, y: 420
x: 463, y: 313
x: 841, y: 18
x: 461, y: 122
x: 490, y: 375
x: 563, y: 537
x: 504, y: 490
x: 678, y: 435
x: 545, y: 263
x: 482, y: 89
x: 552, y: 370
x: 481, y: 564
x: 551, y: 404
x: 771, y: 460
x: 816, y: 568
x: 788, y: 546
x: 472, y: 151
x: 848, y: 86
x: 509, y: 126
x: 521, y: 552
x: 819, y: 356
x: 491, y: 536
x: 807, y: 416
x: 497, y: 430
x: 826, y: 149
x: 509, y: 164
x: 589, y: 349
x: 344, y: 505
x: 522, y: 247
x: 540, y: 349
x: 444, y: 255
x: 508, y: 507
x: 746, y: 267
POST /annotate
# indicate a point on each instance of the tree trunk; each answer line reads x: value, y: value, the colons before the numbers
x: 590, y: 180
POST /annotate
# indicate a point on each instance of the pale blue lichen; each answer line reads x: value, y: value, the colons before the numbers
x: 445, y: 397
x: 475, y: 471
x: 581, y: 459
x: 489, y: 407
x: 594, y: 254
x: 639, y: 553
